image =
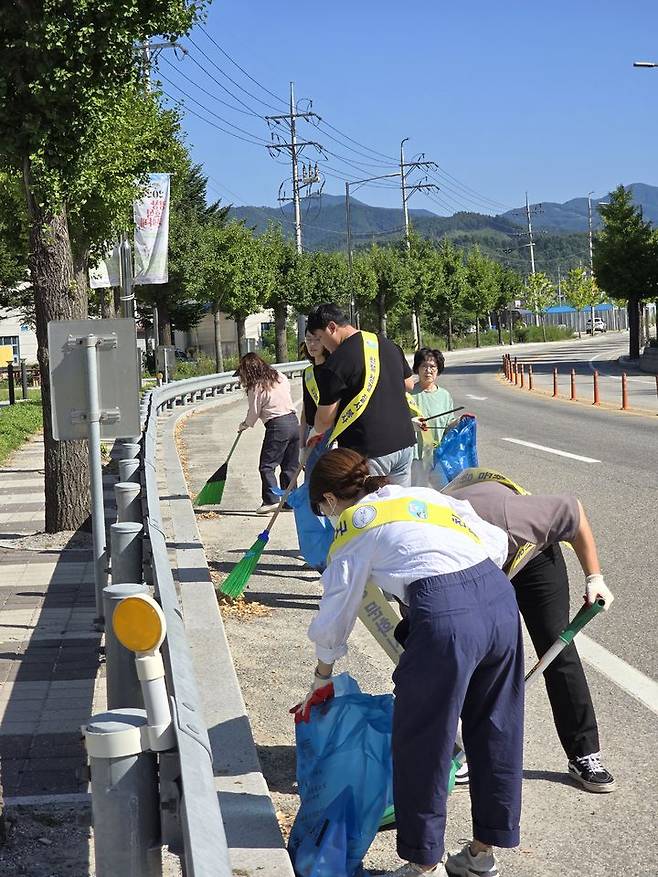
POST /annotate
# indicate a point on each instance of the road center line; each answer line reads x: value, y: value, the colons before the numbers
x: 552, y: 450
x: 626, y: 677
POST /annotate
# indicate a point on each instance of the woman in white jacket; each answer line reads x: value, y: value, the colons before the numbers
x: 463, y: 656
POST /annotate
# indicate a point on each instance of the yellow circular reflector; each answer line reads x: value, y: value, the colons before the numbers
x: 139, y: 623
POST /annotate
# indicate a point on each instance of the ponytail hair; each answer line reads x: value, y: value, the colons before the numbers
x: 344, y: 473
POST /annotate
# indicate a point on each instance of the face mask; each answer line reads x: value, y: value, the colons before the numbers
x: 332, y: 516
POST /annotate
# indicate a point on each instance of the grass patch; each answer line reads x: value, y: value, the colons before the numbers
x: 17, y: 423
x: 32, y: 392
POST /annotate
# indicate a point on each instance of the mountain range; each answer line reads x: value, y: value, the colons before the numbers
x: 561, y: 229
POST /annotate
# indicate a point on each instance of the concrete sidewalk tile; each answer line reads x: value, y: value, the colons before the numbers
x: 28, y: 726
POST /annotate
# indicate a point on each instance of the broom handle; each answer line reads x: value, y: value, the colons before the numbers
x: 443, y: 413
x: 285, y: 496
x: 233, y: 446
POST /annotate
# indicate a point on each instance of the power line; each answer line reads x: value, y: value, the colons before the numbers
x: 208, y: 121
x: 230, y: 79
x: 241, y: 69
x: 257, y: 140
x: 205, y: 91
x: 220, y: 84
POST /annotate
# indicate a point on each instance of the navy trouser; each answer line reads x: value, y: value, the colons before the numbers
x: 463, y: 656
x: 280, y: 448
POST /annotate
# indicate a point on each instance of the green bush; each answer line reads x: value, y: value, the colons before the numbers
x: 490, y: 337
x: 17, y: 423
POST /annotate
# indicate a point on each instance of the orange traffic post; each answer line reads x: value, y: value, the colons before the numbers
x: 573, y: 385
x: 522, y: 375
x: 516, y: 372
x: 624, y: 392
x: 596, y: 388
x: 530, y: 377
x: 555, y: 383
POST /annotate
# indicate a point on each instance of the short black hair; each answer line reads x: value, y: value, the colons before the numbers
x: 429, y: 353
x: 323, y: 314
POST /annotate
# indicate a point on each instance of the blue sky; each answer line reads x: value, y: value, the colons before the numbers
x: 504, y: 96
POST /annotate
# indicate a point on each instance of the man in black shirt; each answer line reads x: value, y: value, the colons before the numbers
x: 362, y: 394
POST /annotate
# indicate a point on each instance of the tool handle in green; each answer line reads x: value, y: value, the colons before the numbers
x: 580, y: 619
x: 233, y: 446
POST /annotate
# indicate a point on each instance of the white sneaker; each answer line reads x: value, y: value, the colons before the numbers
x: 461, y: 775
x: 267, y: 508
x: 465, y: 864
x: 411, y: 870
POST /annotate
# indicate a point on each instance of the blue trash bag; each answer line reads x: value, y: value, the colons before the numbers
x: 315, y: 533
x: 458, y: 450
x: 344, y: 774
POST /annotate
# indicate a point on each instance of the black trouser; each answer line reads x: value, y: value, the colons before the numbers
x: 280, y: 448
x: 542, y: 592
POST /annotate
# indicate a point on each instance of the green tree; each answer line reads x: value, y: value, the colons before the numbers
x: 65, y: 67
x: 392, y: 279
x: 291, y: 284
x: 581, y: 291
x: 540, y: 294
x: 626, y: 258
x: 510, y: 287
x: 328, y: 280
x: 481, y: 287
x: 453, y: 280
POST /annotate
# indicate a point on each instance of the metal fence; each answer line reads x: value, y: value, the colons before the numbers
x: 189, y: 791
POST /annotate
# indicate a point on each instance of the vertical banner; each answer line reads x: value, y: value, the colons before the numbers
x: 151, y: 215
x: 107, y: 272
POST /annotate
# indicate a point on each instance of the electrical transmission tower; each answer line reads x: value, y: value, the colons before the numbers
x: 303, y: 179
x: 529, y: 212
x: 406, y: 167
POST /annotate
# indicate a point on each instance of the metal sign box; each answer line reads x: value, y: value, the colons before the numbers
x: 118, y: 378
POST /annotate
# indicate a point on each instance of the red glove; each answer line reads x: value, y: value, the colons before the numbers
x: 302, y: 712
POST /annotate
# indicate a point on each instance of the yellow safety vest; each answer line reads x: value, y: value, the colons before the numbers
x: 359, y: 519
x: 311, y: 384
x: 357, y: 406
x: 477, y: 475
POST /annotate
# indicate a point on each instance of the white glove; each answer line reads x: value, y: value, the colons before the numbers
x: 596, y: 588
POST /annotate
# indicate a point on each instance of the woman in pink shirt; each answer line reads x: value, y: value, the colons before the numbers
x: 268, y: 395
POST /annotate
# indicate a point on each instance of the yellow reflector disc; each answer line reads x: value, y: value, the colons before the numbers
x: 139, y: 623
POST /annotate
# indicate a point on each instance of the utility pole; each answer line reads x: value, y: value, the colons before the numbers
x: 309, y: 176
x: 528, y: 212
x: 591, y: 255
x: 406, y: 167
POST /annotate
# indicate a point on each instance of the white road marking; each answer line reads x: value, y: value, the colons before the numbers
x: 478, y: 398
x: 552, y: 450
x: 635, y: 683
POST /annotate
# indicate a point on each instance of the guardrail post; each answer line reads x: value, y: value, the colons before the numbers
x: 126, y: 552
x: 573, y: 385
x: 128, y: 498
x: 624, y: 392
x: 124, y: 796
x: 11, y: 386
x: 129, y: 470
x: 555, y: 383
x: 596, y: 388
x: 121, y: 681
x: 530, y: 384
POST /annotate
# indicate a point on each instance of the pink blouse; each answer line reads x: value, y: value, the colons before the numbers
x: 268, y: 402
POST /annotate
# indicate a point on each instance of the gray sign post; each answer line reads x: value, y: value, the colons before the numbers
x: 94, y: 387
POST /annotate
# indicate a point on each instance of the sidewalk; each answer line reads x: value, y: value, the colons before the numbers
x: 51, y: 678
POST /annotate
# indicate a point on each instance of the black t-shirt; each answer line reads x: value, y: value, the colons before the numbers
x: 385, y: 425
x: 309, y: 405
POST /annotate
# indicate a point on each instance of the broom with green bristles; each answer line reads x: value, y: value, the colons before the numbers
x: 213, y: 490
x: 236, y: 581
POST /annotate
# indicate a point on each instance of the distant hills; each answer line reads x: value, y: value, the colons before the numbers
x: 561, y: 239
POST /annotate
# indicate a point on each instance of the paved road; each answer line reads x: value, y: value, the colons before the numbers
x: 566, y: 832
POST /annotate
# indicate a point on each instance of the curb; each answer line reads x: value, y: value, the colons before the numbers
x: 252, y: 831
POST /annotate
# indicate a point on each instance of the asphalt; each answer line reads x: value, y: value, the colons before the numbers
x: 566, y: 832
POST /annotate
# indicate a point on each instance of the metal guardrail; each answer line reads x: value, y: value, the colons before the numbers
x: 204, y: 847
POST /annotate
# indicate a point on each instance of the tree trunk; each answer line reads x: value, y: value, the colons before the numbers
x: 500, y: 326
x: 489, y: 324
x: 242, y: 336
x: 280, y: 332
x: 449, y: 333
x: 81, y: 272
x: 106, y: 301
x: 477, y: 331
x: 219, y: 357
x: 633, y: 308
x: 419, y: 334
x: 56, y: 297
x: 166, y: 333
x: 381, y: 302
x: 543, y: 328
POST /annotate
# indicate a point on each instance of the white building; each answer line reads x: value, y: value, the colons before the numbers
x: 20, y: 335
x: 202, y: 336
